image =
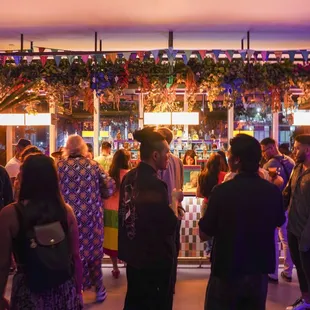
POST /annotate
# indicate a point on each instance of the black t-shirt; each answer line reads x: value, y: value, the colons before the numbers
x: 146, y: 222
x: 242, y: 215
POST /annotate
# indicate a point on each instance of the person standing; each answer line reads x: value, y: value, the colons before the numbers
x: 84, y: 185
x: 173, y: 176
x: 298, y: 192
x: 118, y: 169
x: 242, y: 221
x: 47, y: 277
x: 147, y: 225
x: 12, y: 166
x: 283, y: 166
x: 6, y: 191
x: 105, y: 159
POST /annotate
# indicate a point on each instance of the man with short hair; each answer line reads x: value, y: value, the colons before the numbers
x: 13, y: 165
x: 298, y: 191
x: 173, y: 176
x: 105, y: 159
x: 242, y: 216
x: 147, y: 224
x: 283, y: 166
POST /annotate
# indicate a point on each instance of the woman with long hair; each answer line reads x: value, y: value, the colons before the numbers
x: 118, y: 169
x: 84, y: 186
x: 40, y: 216
x: 207, y: 180
x: 30, y: 149
x: 211, y: 176
x: 189, y: 158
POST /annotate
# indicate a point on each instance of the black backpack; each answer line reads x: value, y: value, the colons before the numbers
x: 43, y: 254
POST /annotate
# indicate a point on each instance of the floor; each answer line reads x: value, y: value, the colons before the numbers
x: 190, y: 291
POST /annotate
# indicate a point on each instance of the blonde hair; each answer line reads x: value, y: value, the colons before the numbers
x: 76, y: 146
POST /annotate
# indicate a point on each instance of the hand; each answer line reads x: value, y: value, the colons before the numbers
x: 4, y: 304
x: 177, y: 195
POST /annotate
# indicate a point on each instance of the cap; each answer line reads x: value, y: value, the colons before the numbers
x: 23, y: 143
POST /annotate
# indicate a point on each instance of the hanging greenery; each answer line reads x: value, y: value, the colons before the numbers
x: 23, y: 84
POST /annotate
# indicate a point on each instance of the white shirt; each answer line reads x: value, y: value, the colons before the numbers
x: 12, y: 167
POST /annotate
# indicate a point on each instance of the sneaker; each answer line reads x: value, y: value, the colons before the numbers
x: 285, y: 277
x: 272, y: 280
x: 101, y: 296
x: 299, y: 304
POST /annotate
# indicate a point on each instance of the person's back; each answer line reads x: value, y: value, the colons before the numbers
x: 6, y: 192
x: 242, y: 216
x: 245, y: 230
x: 149, y: 237
x: 42, y: 233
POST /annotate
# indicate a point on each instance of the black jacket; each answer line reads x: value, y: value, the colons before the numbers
x: 146, y: 222
x: 242, y: 216
x: 6, y: 192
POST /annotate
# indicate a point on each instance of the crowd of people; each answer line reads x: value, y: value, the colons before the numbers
x: 61, y: 214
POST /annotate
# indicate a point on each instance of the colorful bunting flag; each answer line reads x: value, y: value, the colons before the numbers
x: 292, y: 55
x: 57, y: 60
x: 229, y: 54
x: 17, y: 59
x: 71, y: 59
x: 133, y: 56
x: 216, y: 54
x: 112, y: 57
x: 141, y: 55
x: 54, y: 50
x: 41, y: 49
x: 265, y: 55
x: 202, y: 54
x: 242, y: 53
x: 250, y: 53
x: 29, y: 59
x: 43, y: 60
x: 155, y: 54
x: 127, y: 55
x: 278, y: 55
x: 171, y: 53
x: 305, y: 55
x: 3, y: 60
x: 98, y: 57
x: 85, y: 58
x: 186, y: 56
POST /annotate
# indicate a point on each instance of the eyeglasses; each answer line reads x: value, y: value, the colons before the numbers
x: 265, y: 150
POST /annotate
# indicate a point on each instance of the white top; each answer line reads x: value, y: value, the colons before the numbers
x: 12, y: 167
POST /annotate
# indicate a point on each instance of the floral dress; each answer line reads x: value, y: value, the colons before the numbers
x: 84, y: 185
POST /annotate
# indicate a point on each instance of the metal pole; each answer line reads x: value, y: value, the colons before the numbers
x: 170, y: 40
x: 141, y: 111
x: 53, y: 130
x: 100, y: 45
x: 96, y: 123
x: 275, y: 126
x: 185, y: 110
x: 96, y: 41
x: 248, y: 44
x: 230, y: 125
x: 9, y: 143
x: 21, y: 42
x: 242, y: 44
x: 31, y: 45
